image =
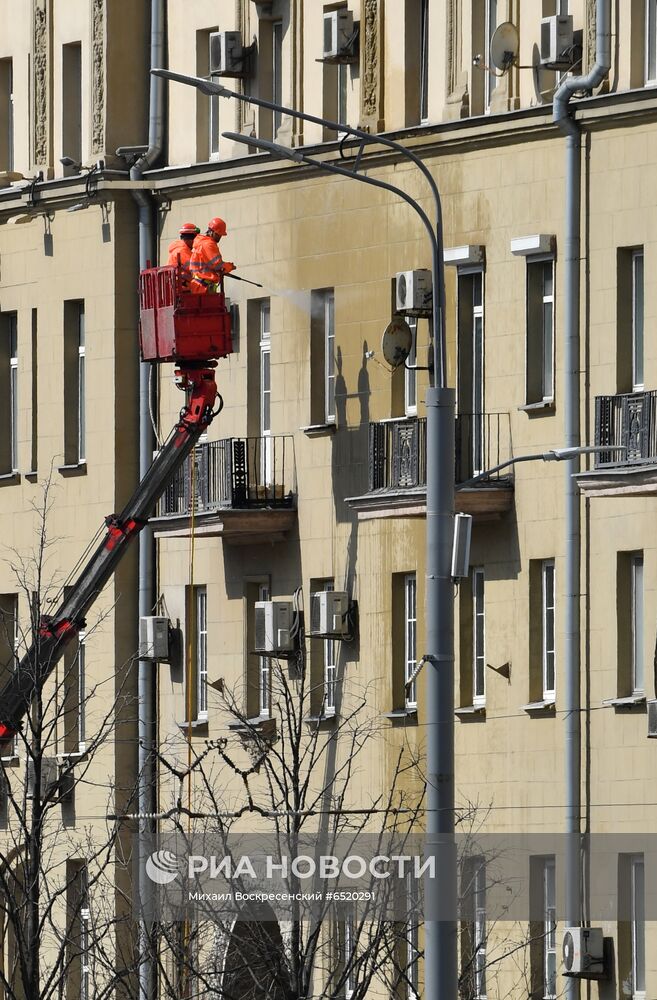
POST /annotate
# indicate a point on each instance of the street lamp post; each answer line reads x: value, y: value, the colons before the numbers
x: 441, y: 949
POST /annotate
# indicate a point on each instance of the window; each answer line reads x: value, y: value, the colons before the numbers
x: 636, y: 569
x: 335, y: 90
x: 264, y: 666
x: 410, y: 374
x: 72, y: 105
x: 549, y: 929
x: 491, y: 25
x: 637, y: 319
x: 424, y: 60
x: 542, y: 631
x: 201, y: 613
x: 651, y: 41
x: 471, y: 371
x: 13, y: 389
x: 213, y: 120
x: 74, y: 384
x: 349, y: 955
x: 78, y: 920
x: 35, y: 396
x: 6, y: 115
x: 265, y: 394
x: 410, y: 643
x: 630, y: 624
x: 75, y: 695
x: 9, y: 392
x: 474, y: 928
x: 322, y: 358
x: 207, y: 107
x: 277, y: 70
x: 540, y: 330
x: 478, y: 638
x: 330, y: 667
x: 632, y: 925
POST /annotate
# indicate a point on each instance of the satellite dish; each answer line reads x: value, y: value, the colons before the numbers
x: 396, y: 342
x: 504, y: 46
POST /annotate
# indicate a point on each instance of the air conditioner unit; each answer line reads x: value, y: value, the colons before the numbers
x: 49, y: 776
x: 414, y: 292
x: 583, y: 952
x: 328, y: 613
x: 652, y: 718
x: 557, y: 41
x: 66, y: 785
x: 273, y: 626
x: 338, y: 33
x: 153, y: 638
x: 226, y: 53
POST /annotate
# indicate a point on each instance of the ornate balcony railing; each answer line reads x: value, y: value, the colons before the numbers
x: 398, y: 449
x: 235, y: 473
x: 629, y: 419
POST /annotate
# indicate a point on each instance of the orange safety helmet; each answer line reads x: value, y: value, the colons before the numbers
x: 218, y: 226
x: 189, y: 229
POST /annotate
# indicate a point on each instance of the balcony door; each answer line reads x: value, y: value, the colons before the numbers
x: 471, y: 369
x: 266, y: 462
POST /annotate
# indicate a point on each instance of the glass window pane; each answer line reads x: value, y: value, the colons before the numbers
x: 638, y: 679
x: 637, y: 320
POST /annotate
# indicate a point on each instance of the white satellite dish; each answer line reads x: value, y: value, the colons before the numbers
x: 504, y: 46
x: 397, y: 341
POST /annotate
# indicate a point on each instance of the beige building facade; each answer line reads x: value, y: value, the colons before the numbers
x: 313, y: 476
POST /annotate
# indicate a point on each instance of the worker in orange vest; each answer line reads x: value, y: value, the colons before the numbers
x: 180, y: 250
x: 207, y: 265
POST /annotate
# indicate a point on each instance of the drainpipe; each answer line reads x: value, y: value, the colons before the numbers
x: 562, y: 114
x: 146, y: 678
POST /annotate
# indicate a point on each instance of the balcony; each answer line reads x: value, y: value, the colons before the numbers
x: 630, y: 420
x: 242, y: 489
x: 397, y: 469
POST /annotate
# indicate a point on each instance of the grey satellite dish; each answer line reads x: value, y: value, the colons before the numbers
x: 504, y: 46
x: 397, y: 342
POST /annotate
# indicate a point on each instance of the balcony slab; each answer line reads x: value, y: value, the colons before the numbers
x: 619, y: 481
x: 236, y: 527
x: 488, y: 502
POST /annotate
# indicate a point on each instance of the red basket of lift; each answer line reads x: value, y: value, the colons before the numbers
x: 178, y: 326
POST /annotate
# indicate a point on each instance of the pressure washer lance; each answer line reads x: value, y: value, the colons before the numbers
x: 248, y: 280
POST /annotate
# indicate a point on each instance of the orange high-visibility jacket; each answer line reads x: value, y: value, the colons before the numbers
x: 207, y: 265
x: 178, y: 248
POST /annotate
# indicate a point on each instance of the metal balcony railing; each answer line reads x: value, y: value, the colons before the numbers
x: 398, y: 449
x: 628, y: 419
x: 235, y: 473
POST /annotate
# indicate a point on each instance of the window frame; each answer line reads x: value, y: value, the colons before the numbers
x: 329, y: 672
x: 7, y: 78
x: 424, y: 61
x: 13, y: 388
x: 549, y: 888
x: 478, y: 638
x: 410, y: 372
x: 638, y: 328
x: 214, y: 130
x: 265, y: 392
x: 82, y: 374
x: 537, y: 354
x: 277, y: 72
x: 329, y: 356
x: 548, y: 648
x: 638, y: 926
x: 201, y: 650
x: 650, y: 63
x: 264, y: 668
x: 637, y: 605
x: 490, y: 25
x: 410, y: 640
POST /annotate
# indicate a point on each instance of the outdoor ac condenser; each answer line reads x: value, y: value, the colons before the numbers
x: 583, y: 952
x: 273, y: 626
x: 328, y: 613
x: 153, y: 638
x: 338, y: 32
x: 226, y: 53
x: 414, y: 292
x: 557, y: 41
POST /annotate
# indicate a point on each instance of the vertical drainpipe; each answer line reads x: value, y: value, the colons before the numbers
x: 563, y: 118
x: 146, y: 679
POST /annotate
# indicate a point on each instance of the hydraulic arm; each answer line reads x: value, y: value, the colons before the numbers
x: 57, y: 630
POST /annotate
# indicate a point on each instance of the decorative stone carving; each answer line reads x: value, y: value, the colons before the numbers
x: 41, y: 72
x: 589, y: 42
x: 458, y: 99
x: 372, y: 65
x: 98, y: 76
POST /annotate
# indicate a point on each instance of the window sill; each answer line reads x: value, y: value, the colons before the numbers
x: 631, y: 701
x: 540, y: 707
x: 469, y: 711
x: 79, y: 469
x: 404, y: 716
x: 13, y: 760
x: 321, y: 721
x: 544, y: 405
x: 263, y: 725
x: 198, y: 726
x: 31, y: 476
x: 72, y: 756
x: 10, y: 479
x: 319, y: 430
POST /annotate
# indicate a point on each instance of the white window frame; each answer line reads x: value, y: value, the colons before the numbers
x: 638, y: 327
x: 547, y: 335
x: 350, y: 979
x: 329, y: 357
x: 330, y: 666
x: 549, y: 927
x: 341, y: 100
x: 638, y: 925
x: 548, y: 630
x: 201, y: 625
x: 82, y: 371
x: 214, y: 132
x: 410, y: 639
x: 412, y: 944
x: 265, y: 393
x: 264, y: 668
x: 10, y: 112
x: 84, y: 918
x: 477, y: 372
x: 651, y: 43
x: 479, y: 928
x: 637, y: 622
x: 82, y: 691
x: 410, y: 372
x: 478, y: 638
x: 13, y: 388
x: 277, y: 72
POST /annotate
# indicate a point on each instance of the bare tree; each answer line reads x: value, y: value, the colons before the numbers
x: 65, y: 925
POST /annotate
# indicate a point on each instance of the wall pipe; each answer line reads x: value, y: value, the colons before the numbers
x: 146, y: 679
x: 563, y: 117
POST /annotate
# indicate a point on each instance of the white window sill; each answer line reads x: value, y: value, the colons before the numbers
x: 10, y: 478
x: 13, y: 760
x: 320, y: 720
x: 548, y: 705
x: 466, y: 710
x: 627, y: 702
x: 318, y: 430
x: 200, y: 723
x: 77, y: 468
x: 542, y: 404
